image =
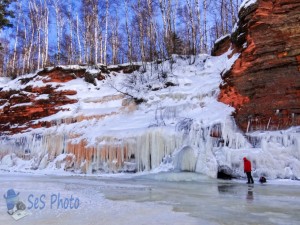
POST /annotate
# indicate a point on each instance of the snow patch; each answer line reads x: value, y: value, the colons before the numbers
x: 247, y: 3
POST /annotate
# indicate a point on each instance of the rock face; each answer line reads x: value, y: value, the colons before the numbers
x: 20, y: 108
x: 264, y: 83
x: 35, y: 97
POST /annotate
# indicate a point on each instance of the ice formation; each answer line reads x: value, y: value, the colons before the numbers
x: 178, y: 127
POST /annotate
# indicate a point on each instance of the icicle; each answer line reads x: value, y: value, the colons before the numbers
x: 248, y: 125
x: 186, y: 159
x: 268, y: 123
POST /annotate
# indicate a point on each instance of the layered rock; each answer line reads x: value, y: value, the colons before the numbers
x: 38, y: 96
x: 21, y: 107
x: 264, y: 83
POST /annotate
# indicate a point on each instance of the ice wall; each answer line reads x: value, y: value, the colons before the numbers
x: 279, y: 154
x: 203, y: 149
x: 143, y: 152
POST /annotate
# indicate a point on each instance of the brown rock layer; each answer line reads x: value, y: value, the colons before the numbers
x: 264, y: 83
x: 20, y: 108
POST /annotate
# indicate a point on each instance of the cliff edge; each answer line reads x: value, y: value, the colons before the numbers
x: 263, y: 85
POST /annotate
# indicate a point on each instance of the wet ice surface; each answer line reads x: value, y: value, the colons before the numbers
x: 166, y: 198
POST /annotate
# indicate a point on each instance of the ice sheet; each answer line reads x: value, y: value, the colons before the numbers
x: 165, y: 198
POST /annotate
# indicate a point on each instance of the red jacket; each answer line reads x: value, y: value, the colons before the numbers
x: 247, y: 165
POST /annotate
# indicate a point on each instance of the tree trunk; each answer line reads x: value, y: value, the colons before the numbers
x: 127, y: 32
x: 96, y: 24
x: 205, y: 25
x: 25, y: 49
x: 29, y: 65
x: 58, y: 29
x: 141, y: 31
x: 192, y: 24
x: 46, y: 34
x: 78, y: 38
x: 199, y: 26
x: 106, y: 33
x: 16, y: 37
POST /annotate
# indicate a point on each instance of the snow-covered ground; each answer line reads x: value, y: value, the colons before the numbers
x: 163, y: 198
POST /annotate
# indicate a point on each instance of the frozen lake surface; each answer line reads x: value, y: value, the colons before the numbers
x: 165, y: 198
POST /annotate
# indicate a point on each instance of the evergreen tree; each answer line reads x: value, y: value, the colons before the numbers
x: 4, y: 13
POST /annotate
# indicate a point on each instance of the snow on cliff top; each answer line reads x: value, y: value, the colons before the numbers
x: 247, y: 3
x: 193, y: 96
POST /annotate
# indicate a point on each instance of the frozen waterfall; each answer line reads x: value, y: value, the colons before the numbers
x: 201, y: 149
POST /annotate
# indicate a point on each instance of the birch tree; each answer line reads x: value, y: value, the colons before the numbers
x: 46, y: 33
x: 30, y: 65
x: 106, y: 32
x: 16, y: 37
x: 141, y: 29
x: 205, y: 24
x: 199, y: 30
x: 96, y: 25
x: 78, y: 39
x: 56, y: 4
x: 129, y: 40
x: 69, y: 16
x: 193, y: 28
x: 151, y: 30
x: 25, y: 44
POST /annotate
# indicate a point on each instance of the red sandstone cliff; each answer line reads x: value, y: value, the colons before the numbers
x: 264, y: 83
x: 21, y: 107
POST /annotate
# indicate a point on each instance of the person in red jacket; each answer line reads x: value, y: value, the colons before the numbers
x: 247, y: 170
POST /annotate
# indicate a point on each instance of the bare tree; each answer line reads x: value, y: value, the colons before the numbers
x: 46, y: 33
x: 57, y: 5
x: 16, y: 37
x: 150, y: 29
x: 205, y: 24
x: 129, y: 40
x: 193, y: 28
x: 163, y: 5
x: 25, y: 45
x: 71, y: 26
x: 106, y: 32
x: 31, y: 41
x: 96, y: 28
x: 115, y: 39
x: 199, y: 27
x: 78, y: 39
